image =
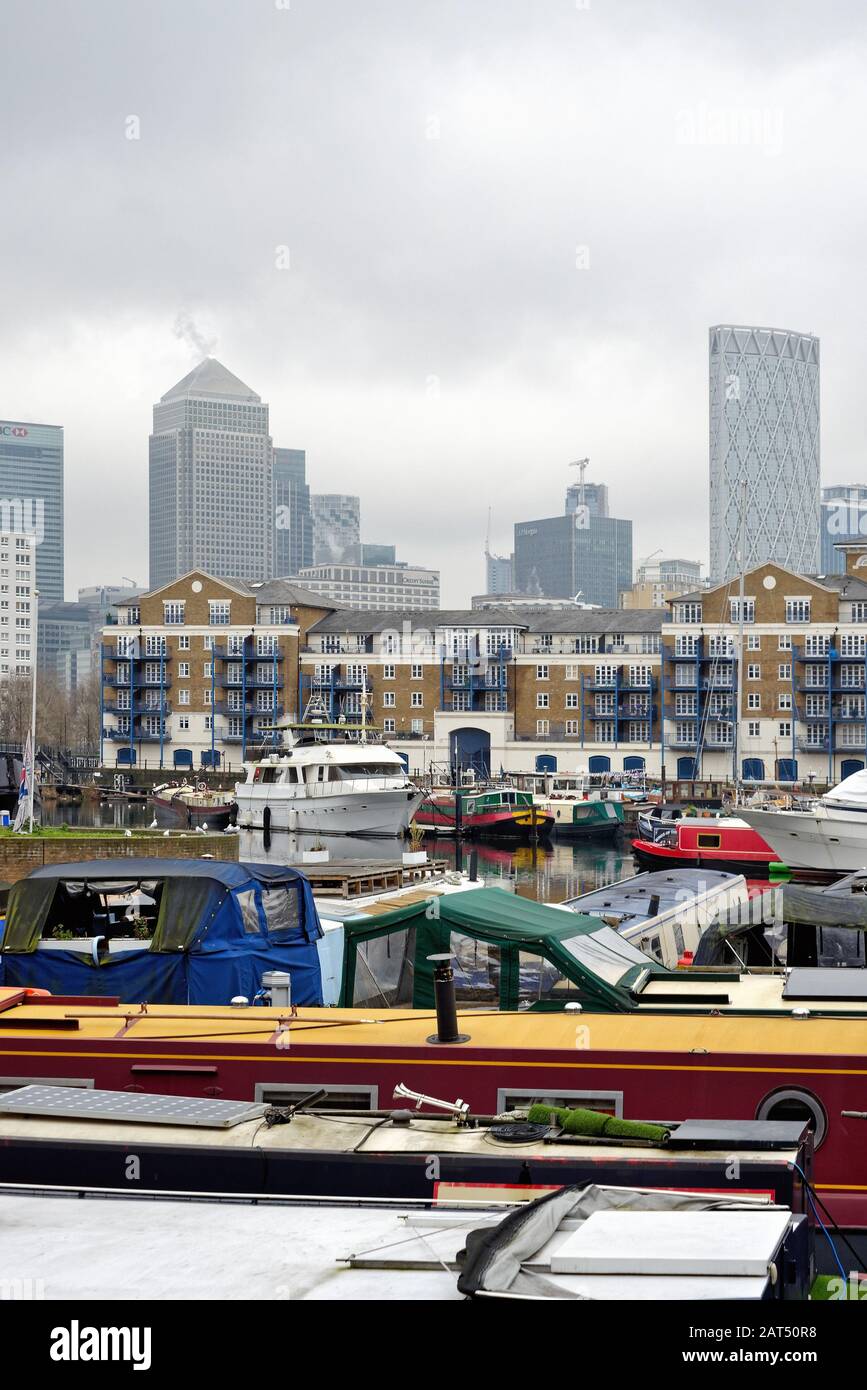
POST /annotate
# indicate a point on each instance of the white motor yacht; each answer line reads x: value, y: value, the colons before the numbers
x: 828, y: 835
x: 329, y: 779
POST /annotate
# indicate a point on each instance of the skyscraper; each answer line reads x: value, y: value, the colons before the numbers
x: 844, y: 518
x: 211, y: 479
x: 764, y: 448
x: 293, y: 520
x: 31, y: 496
x: 584, y: 552
x: 336, y: 528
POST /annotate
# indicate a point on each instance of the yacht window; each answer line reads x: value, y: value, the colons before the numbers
x: 476, y: 968
x: 265, y: 774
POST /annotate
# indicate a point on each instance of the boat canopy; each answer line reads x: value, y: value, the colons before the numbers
x: 210, y: 929
x: 509, y: 952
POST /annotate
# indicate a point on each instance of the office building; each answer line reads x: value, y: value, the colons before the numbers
x: 844, y: 519
x: 18, y: 554
x: 499, y: 573
x: 293, y: 519
x: 31, y: 495
x: 378, y: 554
x: 593, y: 496
x: 374, y: 586
x: 764, y: 449
x: 211, y: 479
x: 336, y: 528
x: 660, y: 580
x: 582, y: 554
x: 65, y: 631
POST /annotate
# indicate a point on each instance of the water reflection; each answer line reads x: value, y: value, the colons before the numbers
x: 550, y: 872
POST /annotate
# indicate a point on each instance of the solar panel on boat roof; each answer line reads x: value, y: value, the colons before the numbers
x: 829, y: 982
x: 65, y: 1102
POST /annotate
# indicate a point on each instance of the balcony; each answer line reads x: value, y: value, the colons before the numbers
x: 161, y: 682
x: 813, y: 746
x: 248, y: 655
x: 802, y: 654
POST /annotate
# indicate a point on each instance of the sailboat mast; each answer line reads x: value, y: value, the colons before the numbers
x: 736, y: 740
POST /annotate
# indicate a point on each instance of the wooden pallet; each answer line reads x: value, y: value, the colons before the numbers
x: 356, y: 880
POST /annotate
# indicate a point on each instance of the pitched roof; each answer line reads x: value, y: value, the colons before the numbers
x: 211, y: 378
x: 598, y: 620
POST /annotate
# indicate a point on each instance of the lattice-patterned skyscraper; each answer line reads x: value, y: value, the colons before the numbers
x: 764, y: 429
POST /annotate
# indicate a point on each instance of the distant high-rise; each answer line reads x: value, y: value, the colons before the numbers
x: 336, y: 528
x: 585, y: 552
x: 293, y: 520
x: 764, y: 433
x: 499, y: 571
x: 31, y: 496
x: 844, y: 518
x: 211, y: 479
x: 373, y: 554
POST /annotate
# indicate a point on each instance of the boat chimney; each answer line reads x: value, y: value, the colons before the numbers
x: 446, y: 1005
x: 654, y: 905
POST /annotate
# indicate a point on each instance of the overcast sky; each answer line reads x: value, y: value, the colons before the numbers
x: 509, y: 225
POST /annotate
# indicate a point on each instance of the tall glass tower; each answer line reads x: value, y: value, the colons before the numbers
x: 764, y: 432
x: 211, y: 479
x: 31, y: 495
x: 293, y: 520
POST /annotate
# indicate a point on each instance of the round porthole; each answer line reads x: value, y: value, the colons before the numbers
x: 769, y: 581
x: 196, y: 586
x: 793, y: 1104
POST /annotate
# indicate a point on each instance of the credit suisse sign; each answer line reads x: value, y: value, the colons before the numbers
x: 17, y: 431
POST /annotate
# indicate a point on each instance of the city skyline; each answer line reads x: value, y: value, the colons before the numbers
x: 463, y: 333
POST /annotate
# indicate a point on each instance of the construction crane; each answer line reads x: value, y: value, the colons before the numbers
x: 583, y: 465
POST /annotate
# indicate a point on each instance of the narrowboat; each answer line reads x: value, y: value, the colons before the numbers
x: 723, y: 842
x: 577, y: 818
x: 700, y: 1060
x: 498, y: 813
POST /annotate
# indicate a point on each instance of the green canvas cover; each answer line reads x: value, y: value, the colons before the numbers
x: 385, y: 956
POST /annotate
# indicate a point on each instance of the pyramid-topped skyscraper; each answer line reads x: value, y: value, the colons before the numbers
x: 211, y: 479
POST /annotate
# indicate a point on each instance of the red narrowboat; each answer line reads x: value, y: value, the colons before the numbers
x: 723, y: 842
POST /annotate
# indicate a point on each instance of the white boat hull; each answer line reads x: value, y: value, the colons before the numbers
x: 825, y: 840
x: 383, y: 811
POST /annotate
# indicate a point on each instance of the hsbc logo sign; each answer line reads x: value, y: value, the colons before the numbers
x: 16, y: 431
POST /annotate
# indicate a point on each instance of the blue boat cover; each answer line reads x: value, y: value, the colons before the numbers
x: 219, y: 927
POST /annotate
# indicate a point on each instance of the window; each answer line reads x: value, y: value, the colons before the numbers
x: 542, y: 728
x: 417, y: 671
x: 416, y: 726
x: 573, y: 728
x: 785, y: 729
x: 606, y: 675
x: 754, y: 672
x: 207, y: 670
x: 387, y: 672
x: 183, y: 643
x: 542, y: 673
x: 542, y: 699
x: 687, y: 612
x: 573, y: 673
x: 686, y: 704
x: 460, y: 700
x: 218, y: 612
x: 784, y: 671
x: 388, y: 698
x: 754, y: 642
x: 749, y: 610
x: 859, y: 612
x: 797, y: 610
x: 183, y: 670
x: 183, y: 697
x: 784, y: 642
x: 754, y: 700
x: 753, y: 729
x: 639, y: 675
x: 173, y: 612
x: 416, y: 699
x: 572, y: 700
x: 183, y: 723
x: 785, y: 700
x: 388, y: 726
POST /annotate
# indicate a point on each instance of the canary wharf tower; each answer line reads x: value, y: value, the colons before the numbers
x: 764, y: 448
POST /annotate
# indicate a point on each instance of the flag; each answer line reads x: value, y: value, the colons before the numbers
x: 24, y: 786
